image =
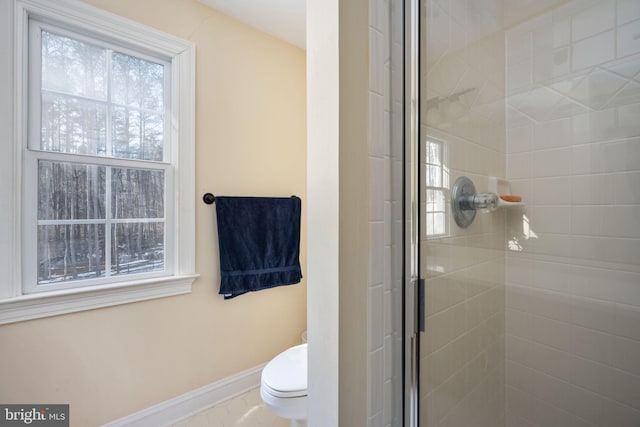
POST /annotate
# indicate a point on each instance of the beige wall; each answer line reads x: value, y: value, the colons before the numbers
x: 250, y: 140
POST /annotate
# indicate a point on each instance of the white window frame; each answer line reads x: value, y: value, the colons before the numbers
x: 15, y: 304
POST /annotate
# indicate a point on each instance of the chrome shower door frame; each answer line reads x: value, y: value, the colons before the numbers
x: 411, y: 204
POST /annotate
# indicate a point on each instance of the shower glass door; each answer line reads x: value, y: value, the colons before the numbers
x: 532, y: 312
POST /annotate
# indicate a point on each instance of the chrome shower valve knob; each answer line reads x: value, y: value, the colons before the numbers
x: 465, y: 202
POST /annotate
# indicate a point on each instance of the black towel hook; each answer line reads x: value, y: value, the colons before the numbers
x: 208, y: 198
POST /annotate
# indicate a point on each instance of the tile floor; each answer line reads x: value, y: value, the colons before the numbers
x: 246, y: 410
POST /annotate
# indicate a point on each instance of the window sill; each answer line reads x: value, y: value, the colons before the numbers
x: 34, y: 306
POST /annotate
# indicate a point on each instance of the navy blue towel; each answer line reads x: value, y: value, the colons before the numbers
x: 259, y: 242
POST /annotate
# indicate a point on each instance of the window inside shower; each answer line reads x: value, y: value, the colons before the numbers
x: 437, y: 186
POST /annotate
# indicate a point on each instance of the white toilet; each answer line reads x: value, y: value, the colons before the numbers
x: 284, y: 385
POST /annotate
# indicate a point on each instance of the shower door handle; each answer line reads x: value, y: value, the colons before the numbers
x: 420, y: 311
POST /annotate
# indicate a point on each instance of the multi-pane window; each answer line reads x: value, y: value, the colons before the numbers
x: 99, y: 153
x: 437, y: 187
x: 98, y: 172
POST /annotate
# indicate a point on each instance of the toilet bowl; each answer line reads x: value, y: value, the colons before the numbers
x: 283, y: 387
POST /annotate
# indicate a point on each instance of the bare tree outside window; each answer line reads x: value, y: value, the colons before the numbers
x: 99, y: 218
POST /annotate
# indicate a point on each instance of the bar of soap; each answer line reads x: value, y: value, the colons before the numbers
x: 510, y: 198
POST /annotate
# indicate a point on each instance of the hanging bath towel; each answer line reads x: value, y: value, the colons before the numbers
x: 259, y: 243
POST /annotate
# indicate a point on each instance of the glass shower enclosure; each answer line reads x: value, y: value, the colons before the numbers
x: 530, y: 310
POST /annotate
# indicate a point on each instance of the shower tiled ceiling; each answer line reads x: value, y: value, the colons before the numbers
x: 609, y: 85
x: 575, y: 60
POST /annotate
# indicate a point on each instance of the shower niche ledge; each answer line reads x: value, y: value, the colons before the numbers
x: 509, y: 201
x: 506, y: 199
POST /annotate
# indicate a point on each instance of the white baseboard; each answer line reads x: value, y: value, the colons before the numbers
x: 183, y: 406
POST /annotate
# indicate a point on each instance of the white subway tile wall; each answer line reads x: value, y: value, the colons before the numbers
x: 573, y: 271
x: 384, y: 334
x: 463, y: 93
